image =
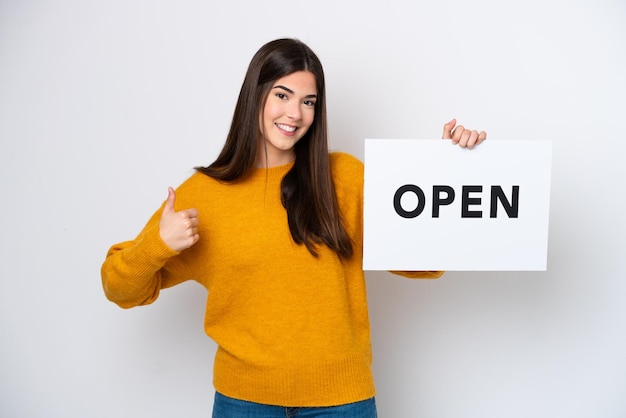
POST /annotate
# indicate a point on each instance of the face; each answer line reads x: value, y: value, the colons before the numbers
x: 287, y: 116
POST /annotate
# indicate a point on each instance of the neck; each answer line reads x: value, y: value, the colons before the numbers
x: 272, y: 160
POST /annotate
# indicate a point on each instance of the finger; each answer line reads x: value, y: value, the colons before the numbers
x: 481, y: 137
x: 458, y: 133
x: 194, y: 236
x: 447, y: 129
x: 190, y: 241
x: 186, y: 221
x: 171, y: 200
x: 189, y: 217
x: 473, y: 138
x: 476, y: 138
x: 464, y: 139
x: 191, y: 213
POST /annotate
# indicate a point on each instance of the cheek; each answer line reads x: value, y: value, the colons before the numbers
x: 267, y: 118
x: 309, y: 118
x: 272, y: 109
x: 267, y: 114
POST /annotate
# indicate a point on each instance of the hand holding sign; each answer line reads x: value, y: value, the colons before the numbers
x: 179, y: 230
x: 464, y: 137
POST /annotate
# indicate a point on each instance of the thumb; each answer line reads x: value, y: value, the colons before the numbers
x: 447, y: 129
x: 171, y: 199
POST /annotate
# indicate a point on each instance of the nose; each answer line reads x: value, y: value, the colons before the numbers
x: 294, y: 111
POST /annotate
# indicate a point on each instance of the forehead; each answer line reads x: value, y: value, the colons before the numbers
x: 300, y: 82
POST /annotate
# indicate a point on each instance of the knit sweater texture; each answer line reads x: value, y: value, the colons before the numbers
x: 292, y: 329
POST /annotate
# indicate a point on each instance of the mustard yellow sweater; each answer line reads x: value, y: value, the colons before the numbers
x: 291, y: 329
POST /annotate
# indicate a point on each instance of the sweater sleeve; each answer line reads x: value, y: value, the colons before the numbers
x: 134, y: 272
x: 419, y: 274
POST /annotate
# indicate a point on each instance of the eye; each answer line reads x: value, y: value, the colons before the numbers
x: 309, y: 103
x: 281, y: 96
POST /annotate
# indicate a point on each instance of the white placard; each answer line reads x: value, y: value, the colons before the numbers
x: 429, y: 205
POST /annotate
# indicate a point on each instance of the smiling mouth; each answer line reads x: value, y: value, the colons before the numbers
x: 286, y: 128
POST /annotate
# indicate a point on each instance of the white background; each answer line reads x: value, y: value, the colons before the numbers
x: 104, y: 104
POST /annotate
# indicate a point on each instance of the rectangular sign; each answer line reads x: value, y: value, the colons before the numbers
x: 429, y: 205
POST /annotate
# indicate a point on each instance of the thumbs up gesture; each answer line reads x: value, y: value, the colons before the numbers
x: 179, y: 230
x: 460, y: 135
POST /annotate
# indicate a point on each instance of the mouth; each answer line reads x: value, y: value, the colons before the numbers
x: 286, y: 128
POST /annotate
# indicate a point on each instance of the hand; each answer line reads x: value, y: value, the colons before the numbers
x: 179, y: 230
x: 463, y: 137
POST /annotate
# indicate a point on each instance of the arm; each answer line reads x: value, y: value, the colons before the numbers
x: 134, y: 272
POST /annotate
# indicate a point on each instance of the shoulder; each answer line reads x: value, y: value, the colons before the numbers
x: 347, y: 173
x: 197, y: 180
x: 346, y: 167
x: 194, y: 190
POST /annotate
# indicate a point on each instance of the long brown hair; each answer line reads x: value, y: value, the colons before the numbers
x: 307, y: 190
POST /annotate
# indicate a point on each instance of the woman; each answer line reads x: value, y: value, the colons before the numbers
x: 273, y: 230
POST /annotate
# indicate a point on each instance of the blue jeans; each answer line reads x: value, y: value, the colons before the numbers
x: 225, y: 407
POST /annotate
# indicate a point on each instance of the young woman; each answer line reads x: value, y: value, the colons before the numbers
x: 273, y: 230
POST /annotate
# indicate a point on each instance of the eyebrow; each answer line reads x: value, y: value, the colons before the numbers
x: 288, y: 90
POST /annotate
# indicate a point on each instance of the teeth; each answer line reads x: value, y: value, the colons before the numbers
x: 286, y: 127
